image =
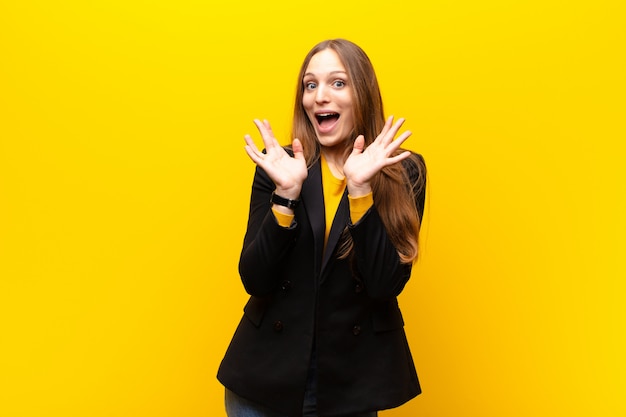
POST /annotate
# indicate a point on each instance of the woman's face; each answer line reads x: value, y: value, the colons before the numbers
x: 327, y: 98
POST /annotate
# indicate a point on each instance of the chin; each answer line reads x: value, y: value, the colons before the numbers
x: 330, y: 142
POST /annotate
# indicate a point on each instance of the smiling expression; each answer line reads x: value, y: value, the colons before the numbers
x: 327, y: 98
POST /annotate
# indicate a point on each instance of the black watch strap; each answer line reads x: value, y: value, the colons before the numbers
x: 282, y: 201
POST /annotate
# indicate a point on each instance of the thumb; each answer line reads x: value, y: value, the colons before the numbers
x: 298, y: 150
x: 359, y: 145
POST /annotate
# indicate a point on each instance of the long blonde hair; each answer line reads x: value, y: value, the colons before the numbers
x: 395, y: 189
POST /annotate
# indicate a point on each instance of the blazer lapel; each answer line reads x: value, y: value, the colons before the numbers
x: 339, y: 224
x: 313, y: 201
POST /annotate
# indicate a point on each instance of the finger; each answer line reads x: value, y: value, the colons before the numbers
x: 253, y: 154
x: 393, y: 131
x: 250, y: 144
x: 267, y: 125
x: 381, y: 138
x: 270, y: 132
x: 298, y: 150
x: 260, y: 126
x: 394, y: 145
x: 252, y: 150
x: 266, y: 134
x: 359, y: 145
x: 264, y: 128
x: 397, y: 158
x: 386, y: 128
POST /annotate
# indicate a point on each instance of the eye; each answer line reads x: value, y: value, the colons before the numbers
x: 339, y: 83
x: 310, y: 85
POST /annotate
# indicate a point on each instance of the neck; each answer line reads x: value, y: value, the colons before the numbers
x: 335, y: 159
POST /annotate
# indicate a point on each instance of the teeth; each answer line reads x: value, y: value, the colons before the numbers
x: 325, y: 114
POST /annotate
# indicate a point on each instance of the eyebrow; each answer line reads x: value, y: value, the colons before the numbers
x: 330, y: 73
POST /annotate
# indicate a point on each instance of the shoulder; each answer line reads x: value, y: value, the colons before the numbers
x: 415, y: 168
x: 415, y: 171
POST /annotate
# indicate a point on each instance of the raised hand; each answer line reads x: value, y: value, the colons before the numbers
x: 362, y: 164
x: 287, y: 172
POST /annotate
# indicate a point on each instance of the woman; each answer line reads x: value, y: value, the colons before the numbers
x: 332, y: 235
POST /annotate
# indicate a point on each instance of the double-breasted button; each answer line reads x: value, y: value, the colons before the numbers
x: 358, y: 288
x: 285, y: 285
x: 356, y: 330
x: 278, y: 326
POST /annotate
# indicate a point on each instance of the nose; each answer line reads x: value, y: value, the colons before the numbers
x: 321, y: 94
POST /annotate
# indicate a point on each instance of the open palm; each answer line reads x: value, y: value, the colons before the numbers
x: 287, y: 172
x: 363, y: 163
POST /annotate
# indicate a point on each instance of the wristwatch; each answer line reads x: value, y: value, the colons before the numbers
x: 285, y: 202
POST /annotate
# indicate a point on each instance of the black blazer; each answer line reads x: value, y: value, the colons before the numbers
x: 303, y: 299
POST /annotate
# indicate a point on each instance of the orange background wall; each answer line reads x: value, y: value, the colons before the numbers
x: 124, y: 189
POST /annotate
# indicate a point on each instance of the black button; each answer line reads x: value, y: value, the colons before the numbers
x: 358, y: 288
x: 278, y: 326
x: 286, y: 285
x: 356, y: 330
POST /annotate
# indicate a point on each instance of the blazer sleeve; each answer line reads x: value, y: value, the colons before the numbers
x: 266, y: 243
x: 376, y: 259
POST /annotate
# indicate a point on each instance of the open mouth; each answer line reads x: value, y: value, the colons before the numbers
x: 326, y: 121
x: 326, y: 118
